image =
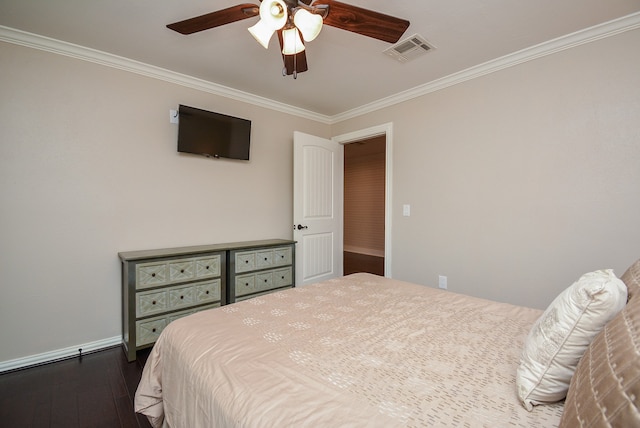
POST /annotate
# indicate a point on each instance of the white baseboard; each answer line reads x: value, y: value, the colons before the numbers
x: 59, y: 354
x: 365, y: 251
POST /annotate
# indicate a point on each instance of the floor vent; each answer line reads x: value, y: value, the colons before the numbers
x: 409, y: 48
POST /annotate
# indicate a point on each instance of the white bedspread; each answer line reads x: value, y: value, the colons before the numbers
x: 360, y: 351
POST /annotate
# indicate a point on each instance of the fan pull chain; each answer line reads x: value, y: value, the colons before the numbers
x: 295, y: 67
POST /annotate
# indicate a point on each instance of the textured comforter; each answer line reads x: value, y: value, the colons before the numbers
x: 359, y: 351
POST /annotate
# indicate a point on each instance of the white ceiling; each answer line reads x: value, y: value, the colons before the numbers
x: 346, y: 70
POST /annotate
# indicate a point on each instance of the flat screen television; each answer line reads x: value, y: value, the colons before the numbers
x: 212, y: 134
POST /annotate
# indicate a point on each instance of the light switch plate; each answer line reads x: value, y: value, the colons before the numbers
x: 406, y: 210
x: 173, y: 116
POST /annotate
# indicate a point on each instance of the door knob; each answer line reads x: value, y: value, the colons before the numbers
x: 300, y: 227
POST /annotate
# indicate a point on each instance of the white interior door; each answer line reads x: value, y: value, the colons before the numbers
x: 317, y: 207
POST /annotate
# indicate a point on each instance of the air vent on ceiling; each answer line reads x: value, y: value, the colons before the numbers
x: 409, y: 48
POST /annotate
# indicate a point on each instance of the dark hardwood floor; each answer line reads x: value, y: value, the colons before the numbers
x: 93, y: 391
x: 356, y: 262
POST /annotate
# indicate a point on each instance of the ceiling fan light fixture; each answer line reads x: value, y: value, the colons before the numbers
x: 309, y: 24
x: 291, y: 41
x: 262, y: 32
x: 297, y: 22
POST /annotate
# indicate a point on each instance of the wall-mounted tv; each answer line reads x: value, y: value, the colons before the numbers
x: 212, y: 134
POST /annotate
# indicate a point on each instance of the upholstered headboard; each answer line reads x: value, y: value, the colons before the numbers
x: 605, y: 389
x: 632, y: 278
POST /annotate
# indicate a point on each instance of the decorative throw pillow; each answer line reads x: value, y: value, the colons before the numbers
x: 559, y: 338
x: 605, y: 390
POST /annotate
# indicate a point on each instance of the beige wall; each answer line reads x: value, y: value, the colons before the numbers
x: 89, y: 167
x: 521, y: 180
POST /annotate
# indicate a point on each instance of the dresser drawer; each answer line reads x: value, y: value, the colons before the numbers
x: 245, y: 284
x: 151, y: 274
x: 181, y: 270
x: 282, y: 256
x: 207, y: 267
x: 245, y: 261
x: 208, y: 291
x: 263, y: 259
x: 164, y: 272
x: 282, y: 277
x: 154, y: 302
x: 148, y: 330
x: 264, y: 281
x: 151, y: 303
x: 182, y: 297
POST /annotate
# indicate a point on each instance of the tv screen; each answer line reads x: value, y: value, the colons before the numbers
x: 212, y: 134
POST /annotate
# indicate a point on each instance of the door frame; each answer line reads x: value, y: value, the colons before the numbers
x: 385, y: 129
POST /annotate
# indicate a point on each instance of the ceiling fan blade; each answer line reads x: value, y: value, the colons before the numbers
x: 215, y: 19
x: 293, y: 63
x: 363, y: 21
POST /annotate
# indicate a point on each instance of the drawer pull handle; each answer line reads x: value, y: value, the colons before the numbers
x: 153, y: 330
x: 153, y: 302
x: 181, y: 270
x: 207, y: 292
x: 153, y: 275
x: 266, y: 280
x: 182, y: 297
x: 282, y: 276
x: 246, y: 261
x: 246, y: 283
x: 265, y: 259
x: 207, y: 267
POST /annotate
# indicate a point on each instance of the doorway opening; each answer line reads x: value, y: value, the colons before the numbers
x: 364, y: 206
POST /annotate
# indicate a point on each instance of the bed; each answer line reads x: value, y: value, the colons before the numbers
x: 357, y: 351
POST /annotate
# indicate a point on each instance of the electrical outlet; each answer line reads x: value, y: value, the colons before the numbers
x: 442, y: 282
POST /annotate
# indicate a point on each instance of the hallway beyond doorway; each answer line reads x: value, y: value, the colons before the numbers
x: 357, y: 262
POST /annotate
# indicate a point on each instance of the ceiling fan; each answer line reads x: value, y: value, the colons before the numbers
x: 292, y: 18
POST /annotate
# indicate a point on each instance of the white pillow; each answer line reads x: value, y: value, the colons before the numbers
x: 559, y: 338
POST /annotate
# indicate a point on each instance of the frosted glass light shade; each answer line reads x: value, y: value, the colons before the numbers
x: 291, y: 42
x: 308, y: 23
x: 273, y: 13
x: 262, y: 32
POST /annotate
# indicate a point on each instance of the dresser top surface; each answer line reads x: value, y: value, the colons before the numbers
x: 196, y: 249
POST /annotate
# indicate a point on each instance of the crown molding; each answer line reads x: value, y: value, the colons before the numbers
x: 607, y: 29
x: 23, y: 38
